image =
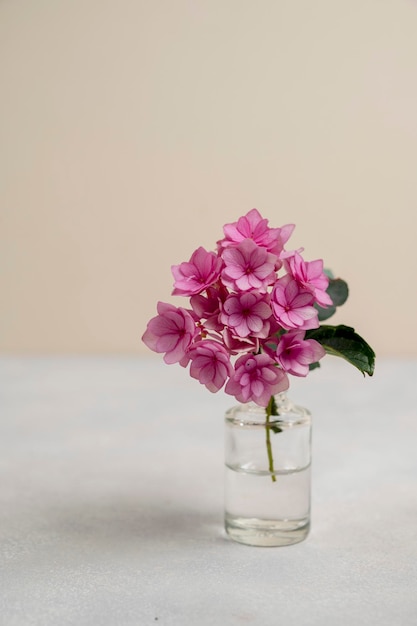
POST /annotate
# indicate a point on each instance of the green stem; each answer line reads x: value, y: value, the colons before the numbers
x: 270, y: 410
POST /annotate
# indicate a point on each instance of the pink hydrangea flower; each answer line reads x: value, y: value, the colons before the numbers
x: 294, y: 353
x: 247, y: 266
x: 210, y: 364
x: 235, y: 344
x: 247, y: 313
x: 292, y: 305
x: 254, y: 226
x: 208, y: 307
x: 192, y: 277
x: 256, y: 378
x: 171, y: 331
x: 310, y: 275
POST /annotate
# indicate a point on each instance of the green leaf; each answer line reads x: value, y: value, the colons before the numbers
x: 273, y: 406
x: 324, y: 314
x: 343, y: 341
x: 314, y: 366
x: 338, y: 292
x: 272, y: 409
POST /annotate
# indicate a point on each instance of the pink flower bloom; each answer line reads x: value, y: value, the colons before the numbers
x: 210, y: 364
x: 248, y: 267
x: 310, y: 275
x: 294, y: 353
x: 235, y: 344
x: 201, y: 271
x: 247, y: 313
x: 270, y: 343
x: 254, y: 226
x: 172, y: 332
x: 257, y: 377
x: 208, y: 308
x: 292, y: 305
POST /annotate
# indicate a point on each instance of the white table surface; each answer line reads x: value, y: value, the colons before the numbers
x: 111, y: 500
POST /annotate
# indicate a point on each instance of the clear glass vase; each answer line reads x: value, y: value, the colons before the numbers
x: 268, y: 466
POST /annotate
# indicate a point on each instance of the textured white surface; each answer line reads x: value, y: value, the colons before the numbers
x: 111, y: 501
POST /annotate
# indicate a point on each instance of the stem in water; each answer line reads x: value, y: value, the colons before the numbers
x: 271, y: 409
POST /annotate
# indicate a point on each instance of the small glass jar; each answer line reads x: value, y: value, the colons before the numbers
x: 268, y: 471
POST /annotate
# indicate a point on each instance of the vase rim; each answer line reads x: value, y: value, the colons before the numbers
x: 252, y: 413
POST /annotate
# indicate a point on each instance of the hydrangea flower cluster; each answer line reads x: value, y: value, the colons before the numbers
x: 251, y: 303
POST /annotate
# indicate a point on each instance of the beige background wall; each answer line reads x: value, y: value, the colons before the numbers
x: 130, y: 131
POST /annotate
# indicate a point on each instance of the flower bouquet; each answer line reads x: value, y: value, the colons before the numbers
x: 254, y: 317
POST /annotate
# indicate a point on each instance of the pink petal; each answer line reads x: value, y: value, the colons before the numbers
x: 257, y: 387
x: 254, y: 323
